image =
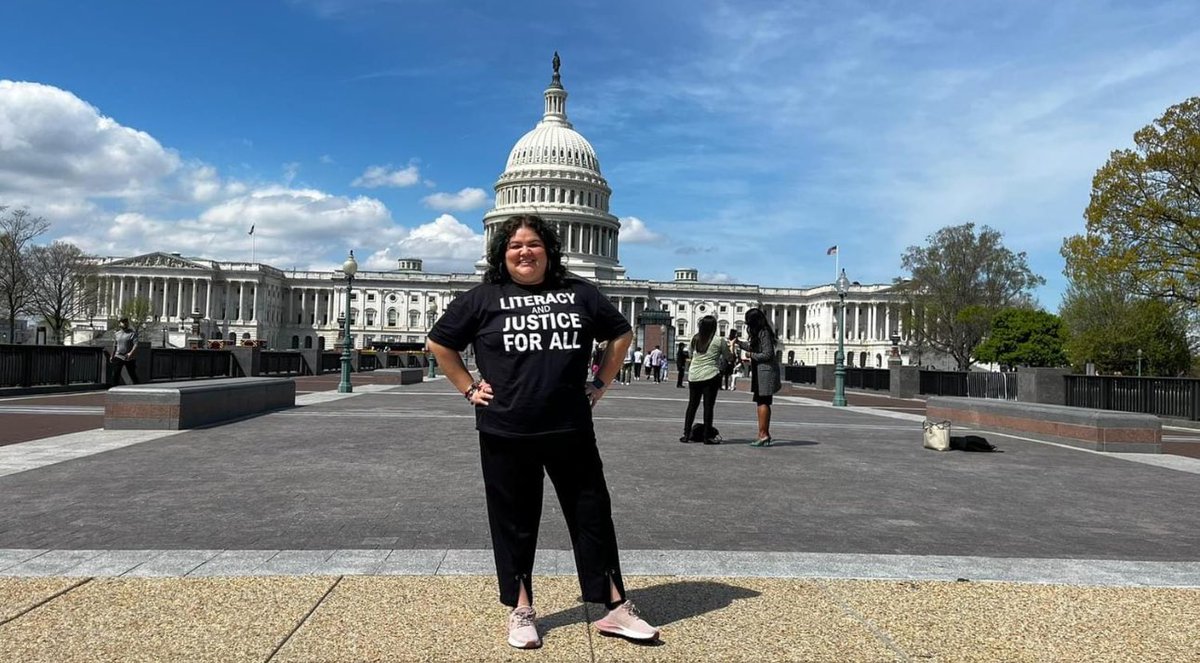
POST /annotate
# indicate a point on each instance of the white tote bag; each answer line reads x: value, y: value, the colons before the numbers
x: 937, y: 435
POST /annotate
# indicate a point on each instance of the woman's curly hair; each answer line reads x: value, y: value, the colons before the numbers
x: 497, y: 271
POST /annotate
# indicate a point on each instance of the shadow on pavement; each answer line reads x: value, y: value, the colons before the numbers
x: 676, y: 601
x: 775, y: 442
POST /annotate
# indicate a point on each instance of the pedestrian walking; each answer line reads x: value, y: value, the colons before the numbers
x: 532, y: 325
x: 730, y: 376
x: 765, y: 380
x: 627, y: 367
x: 125, y: 341
x: 637, y: 363
x: 681, y: 360
x: 704, y: 377
x: 653, y: 361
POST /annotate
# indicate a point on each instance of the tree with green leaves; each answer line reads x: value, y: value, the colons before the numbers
x: 957, y: 283
x: 1143, y: 221
x: 59, y: 286
x: 17, y: 232
x: 138, y: 310
x: 1107, y: 325
x: 1024, y: 337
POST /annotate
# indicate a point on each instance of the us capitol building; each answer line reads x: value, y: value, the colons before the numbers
x: 553, y: 172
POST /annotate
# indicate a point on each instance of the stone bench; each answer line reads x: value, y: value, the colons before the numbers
x: 398, y: 375
x: 1099, y: 430
x: 180, y: 405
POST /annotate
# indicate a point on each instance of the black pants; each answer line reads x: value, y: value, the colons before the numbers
x: 708, y: 390
x: 637, y: 371
x: 679, y: 365
x: 117, y: 365
x: 513, y: 471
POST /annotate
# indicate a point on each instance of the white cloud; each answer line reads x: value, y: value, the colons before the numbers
x: 716, y: 277
x: 292, y: 227
x: 444, y: 244
x: 53, y: 142
x: 634, y: 231
x: 465, y: 200
x: 377, y: 176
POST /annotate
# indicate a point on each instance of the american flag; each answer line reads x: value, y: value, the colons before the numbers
x: 831, y: 250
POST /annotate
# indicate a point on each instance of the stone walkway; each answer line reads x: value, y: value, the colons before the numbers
x: 352, y: 528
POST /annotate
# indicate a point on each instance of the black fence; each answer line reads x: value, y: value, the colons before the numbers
x: 404, y: 359
x: 331, y: 361
x: 51, y: 365
x: 281, y: 362
x: 972, y: 384
x: 188, y: 364
x: 801, y: 374
x: 1178, y: 398
x: 879, y: 379
x: 367, y: 361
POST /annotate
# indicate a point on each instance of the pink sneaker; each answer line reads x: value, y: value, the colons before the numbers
x: 623, y: 620
x: 522, y: 628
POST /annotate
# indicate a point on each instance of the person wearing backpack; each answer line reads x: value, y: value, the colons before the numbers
x: 765, y: 372
x: 704, y: 377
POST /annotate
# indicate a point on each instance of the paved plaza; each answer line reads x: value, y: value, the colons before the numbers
x: 353, y: 527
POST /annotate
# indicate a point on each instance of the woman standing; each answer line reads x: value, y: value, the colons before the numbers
x: 704, y: 377
x: 764, y: 370
x: 532, y: 326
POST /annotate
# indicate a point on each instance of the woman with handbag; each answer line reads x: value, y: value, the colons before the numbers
x: 764, y: 370
x: 710, y: 355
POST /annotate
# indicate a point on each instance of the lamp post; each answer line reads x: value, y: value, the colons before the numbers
x: 839, y: 359
x: 349, y: 268
x: 1139, y: 362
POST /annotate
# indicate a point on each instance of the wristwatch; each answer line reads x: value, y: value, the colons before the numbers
x: 598, y: 383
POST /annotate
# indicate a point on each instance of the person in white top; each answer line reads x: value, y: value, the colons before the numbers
x: 637, y: 363
x: 652, y: 363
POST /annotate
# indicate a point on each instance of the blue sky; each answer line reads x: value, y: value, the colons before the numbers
x: 740, y: 138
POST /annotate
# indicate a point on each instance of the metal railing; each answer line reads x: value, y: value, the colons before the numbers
x: 281, y: 362
x: 801, y: 374
x: 367, y: 361
x: 972, y: 384
x: 51, y: 365
x: 1177, y: 398
x: 190, y: 364
x: 331, y: 361
x: 879, y: 379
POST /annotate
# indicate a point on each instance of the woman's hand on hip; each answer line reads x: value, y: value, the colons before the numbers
x: 483, y: 394
x: 594, y: 395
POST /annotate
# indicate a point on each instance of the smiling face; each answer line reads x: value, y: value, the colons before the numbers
x: 525, y: 257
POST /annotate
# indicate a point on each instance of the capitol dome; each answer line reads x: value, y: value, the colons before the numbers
x: 553, y: 172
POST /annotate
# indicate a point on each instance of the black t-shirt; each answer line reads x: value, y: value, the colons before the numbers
x: 532, y: 344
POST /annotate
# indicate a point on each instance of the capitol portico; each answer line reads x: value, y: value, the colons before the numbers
x: 552, y: 171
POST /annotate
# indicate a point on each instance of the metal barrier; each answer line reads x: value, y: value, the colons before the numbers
x: 51, y: 365
x: 367, y: 361
x: 972, y: 384
x: 879, y: 379
x: 280, y: 362
x: 1178, y: 398
x: 801, y: 374
x: 189, y: 364
x: 331, y: 361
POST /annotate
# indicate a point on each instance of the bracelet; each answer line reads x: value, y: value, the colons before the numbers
x: 471, y: 390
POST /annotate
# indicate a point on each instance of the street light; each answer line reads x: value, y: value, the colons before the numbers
x: 349, y: 268
x: 839, y: 359
x: 1139, y: 362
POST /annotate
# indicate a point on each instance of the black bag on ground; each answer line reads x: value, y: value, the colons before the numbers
x: 697, y: 434
x: 971, y: 443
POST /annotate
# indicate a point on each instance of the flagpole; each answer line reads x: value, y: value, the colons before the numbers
x: 837, y: 259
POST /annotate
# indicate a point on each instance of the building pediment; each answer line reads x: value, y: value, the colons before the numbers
x: 158, y: 259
